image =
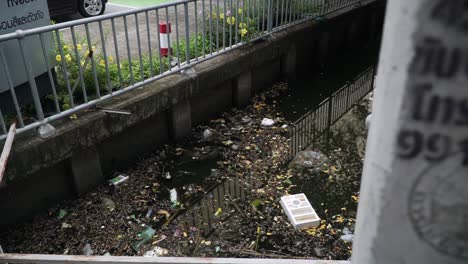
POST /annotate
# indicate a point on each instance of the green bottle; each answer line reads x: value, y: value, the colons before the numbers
x: 143, y: 237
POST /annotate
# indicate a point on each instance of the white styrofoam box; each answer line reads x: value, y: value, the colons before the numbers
x: 300, y: 212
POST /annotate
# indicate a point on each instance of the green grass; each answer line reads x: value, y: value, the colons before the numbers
x: 139, y: 3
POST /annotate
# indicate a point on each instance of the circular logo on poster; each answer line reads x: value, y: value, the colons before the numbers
x: 439, y: 207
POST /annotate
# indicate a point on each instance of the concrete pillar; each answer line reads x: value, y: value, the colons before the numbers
x: 414, y: 195
x: 242, y: 90
x: 180, y: 117
x: 86, y: 170
x: 288, y: 63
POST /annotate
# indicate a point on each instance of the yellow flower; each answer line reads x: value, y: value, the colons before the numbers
x: 214, y: 16
x: 110, y: 59
x: 93, y: 48
x: 58, y: 58
x: 231, y: 20
x: 65, y: 46
x: 239, y: 11
x: 102, y: 63
x: 86, y: 54
x: 78, y: 47
x: 221, y: 16
x: 243, y: 32
x: 68, y: 57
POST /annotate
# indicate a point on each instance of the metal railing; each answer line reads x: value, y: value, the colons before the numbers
x: 317, y: 123
x: 91, y: 60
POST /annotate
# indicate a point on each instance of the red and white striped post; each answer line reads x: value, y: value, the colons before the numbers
x: 164, y: 31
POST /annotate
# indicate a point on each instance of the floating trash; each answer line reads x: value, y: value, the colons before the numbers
x: 299, y: 211
x: 118, y: 180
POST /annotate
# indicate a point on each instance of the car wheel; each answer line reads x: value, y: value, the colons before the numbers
x: 89, y: 8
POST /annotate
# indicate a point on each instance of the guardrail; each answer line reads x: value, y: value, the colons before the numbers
x: 92, y: 60
x: 318, y: 121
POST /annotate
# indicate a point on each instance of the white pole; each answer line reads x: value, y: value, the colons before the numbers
x: 414, y: 194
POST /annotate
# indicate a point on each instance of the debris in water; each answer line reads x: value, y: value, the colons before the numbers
x: 143, y: 237
x: 108, y: 203
x: 173, y: 195
x: 66, y: 225
x: 246, y: 120
x: 164, y: 212
x: 218, y: 212
x: 299, y: 211
x: 118, y: 180
x: 268, y: 122
x: 87, y: 250
x: 149, y: 213
x: 207, y: 134
x: 167, y: 176
x: 62, y: 214
x: 156, y: 252
x: 347, y: 235
x: 163, y: 237
x: 347, y: 238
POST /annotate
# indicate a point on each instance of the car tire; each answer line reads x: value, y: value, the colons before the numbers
x: 89, y: 8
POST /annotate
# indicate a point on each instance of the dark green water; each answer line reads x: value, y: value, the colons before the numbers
x: 312, y: 87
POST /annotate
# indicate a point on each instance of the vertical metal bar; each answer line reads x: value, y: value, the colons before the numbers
x: 243, y: 15
x: 130, y: 64
x: 12, y: 88
x: 187, y: 33
x: 282, y: 12
x: 224, y: 24
x: 78, y: 62
x: 177, y: 35
x: 150, y: 49
x: 2, y: 123
x: 256, y: 15
x: 93, y: 64
x: 208, y: 215
x: 210, y: 21
x: 104, y: 53
x: 140, y: 57
x: 64, y: 67
x: 236, y: 19
x: 291, y: 8
x: 169, y: 53
x: 159, y: 42
x: 217, y: 25
x: 329, y: 122
x: 203, y: 29
x: 49, y: 73
x: 230, y: 23
x: 270, y: 16
x: 6, y: 152
x: 286, y: 12
x: 196, y: 29
x: 117, y: 55
x: 221, y: 194
x: 263, y: 15
x: 277, y: 14
x: 32, y: 82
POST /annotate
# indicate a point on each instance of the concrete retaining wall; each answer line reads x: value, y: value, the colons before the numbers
x: 87, y: 150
